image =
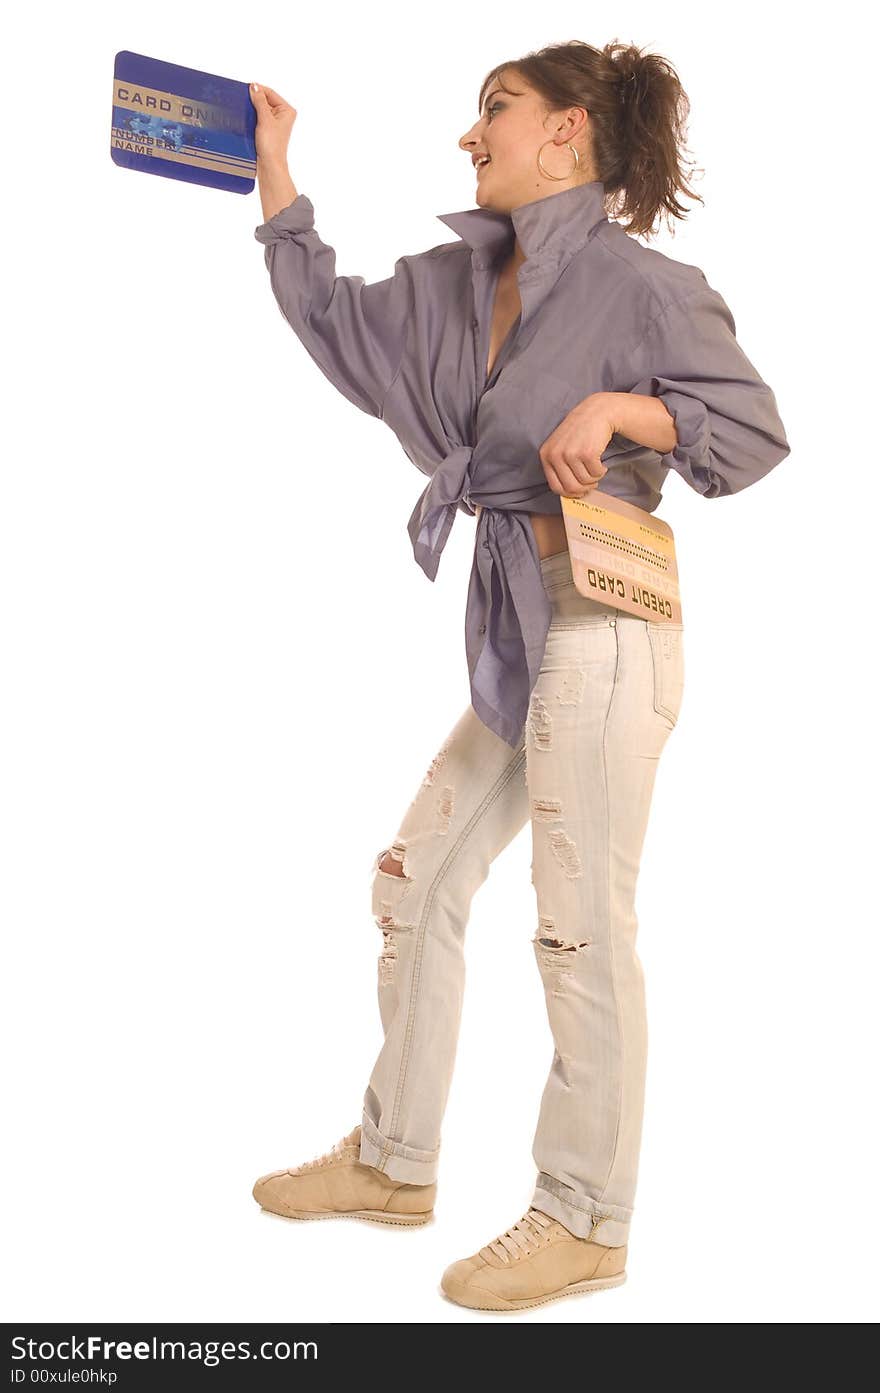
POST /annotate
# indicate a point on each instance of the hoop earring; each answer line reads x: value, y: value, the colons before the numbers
x: 559, y: 176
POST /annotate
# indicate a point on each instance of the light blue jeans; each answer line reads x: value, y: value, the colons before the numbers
x: 606, y: 700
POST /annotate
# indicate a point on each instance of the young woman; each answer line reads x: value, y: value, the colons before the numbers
x: 545, y: 352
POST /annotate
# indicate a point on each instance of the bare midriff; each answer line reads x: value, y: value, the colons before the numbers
x: 549, y: 532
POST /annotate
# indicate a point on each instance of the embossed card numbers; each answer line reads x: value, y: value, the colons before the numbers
x: 623, y: 556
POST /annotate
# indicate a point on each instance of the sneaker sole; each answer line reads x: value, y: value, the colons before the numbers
x: 376, y: 1216
x: 471, y: 1296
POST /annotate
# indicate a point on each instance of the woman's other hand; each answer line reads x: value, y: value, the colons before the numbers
x: 570, y: 456
x: 275, y: 118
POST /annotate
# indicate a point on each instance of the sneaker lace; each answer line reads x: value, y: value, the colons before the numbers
x: 335, y: 1151
x: 522, y: 1237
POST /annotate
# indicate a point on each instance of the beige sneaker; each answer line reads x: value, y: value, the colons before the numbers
x: 337, y: 1185
x: 536, y: 1260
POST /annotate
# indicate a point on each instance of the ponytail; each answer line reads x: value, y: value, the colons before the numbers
x: 637, y: 111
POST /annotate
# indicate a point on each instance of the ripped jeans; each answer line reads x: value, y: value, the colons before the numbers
x: 607, y: 698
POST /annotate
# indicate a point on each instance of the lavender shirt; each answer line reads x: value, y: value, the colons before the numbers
x: 600, y: 312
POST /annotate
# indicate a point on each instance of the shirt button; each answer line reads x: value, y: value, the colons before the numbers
x: 482, y: 628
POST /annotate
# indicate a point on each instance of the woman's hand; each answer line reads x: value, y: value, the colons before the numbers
x: 275, y: 120
x: 571, y: 455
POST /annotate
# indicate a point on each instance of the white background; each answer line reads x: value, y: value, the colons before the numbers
x: 210, y: 725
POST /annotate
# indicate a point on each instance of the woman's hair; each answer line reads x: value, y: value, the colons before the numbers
x: 638, y: 110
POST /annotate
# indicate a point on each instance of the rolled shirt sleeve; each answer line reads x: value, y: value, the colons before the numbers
x: 356, y: 333
x: 726, y: 419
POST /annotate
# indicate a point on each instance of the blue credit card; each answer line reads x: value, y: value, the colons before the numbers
x: 182, y: 123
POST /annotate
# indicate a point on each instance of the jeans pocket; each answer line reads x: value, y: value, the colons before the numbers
x: 667, y: 655
x: 572, y: 610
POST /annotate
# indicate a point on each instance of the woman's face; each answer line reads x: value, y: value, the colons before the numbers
x: 512, y: 128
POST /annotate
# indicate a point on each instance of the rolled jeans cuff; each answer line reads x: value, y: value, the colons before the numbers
x: 583, y: 1216
x: 394, y: 1159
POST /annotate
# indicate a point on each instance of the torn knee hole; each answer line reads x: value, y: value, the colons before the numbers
x: 547, y: 938
x: 393, y: 861
x: 390, y: 866
x: 393, y: 889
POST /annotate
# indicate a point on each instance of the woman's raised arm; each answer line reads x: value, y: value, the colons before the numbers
x: 275, y: 121
x: 355, y: 333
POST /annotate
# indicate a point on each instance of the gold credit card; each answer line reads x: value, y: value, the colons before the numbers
x: 622, y: 556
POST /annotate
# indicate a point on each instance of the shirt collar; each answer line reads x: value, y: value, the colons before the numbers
x: 555, y: 226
